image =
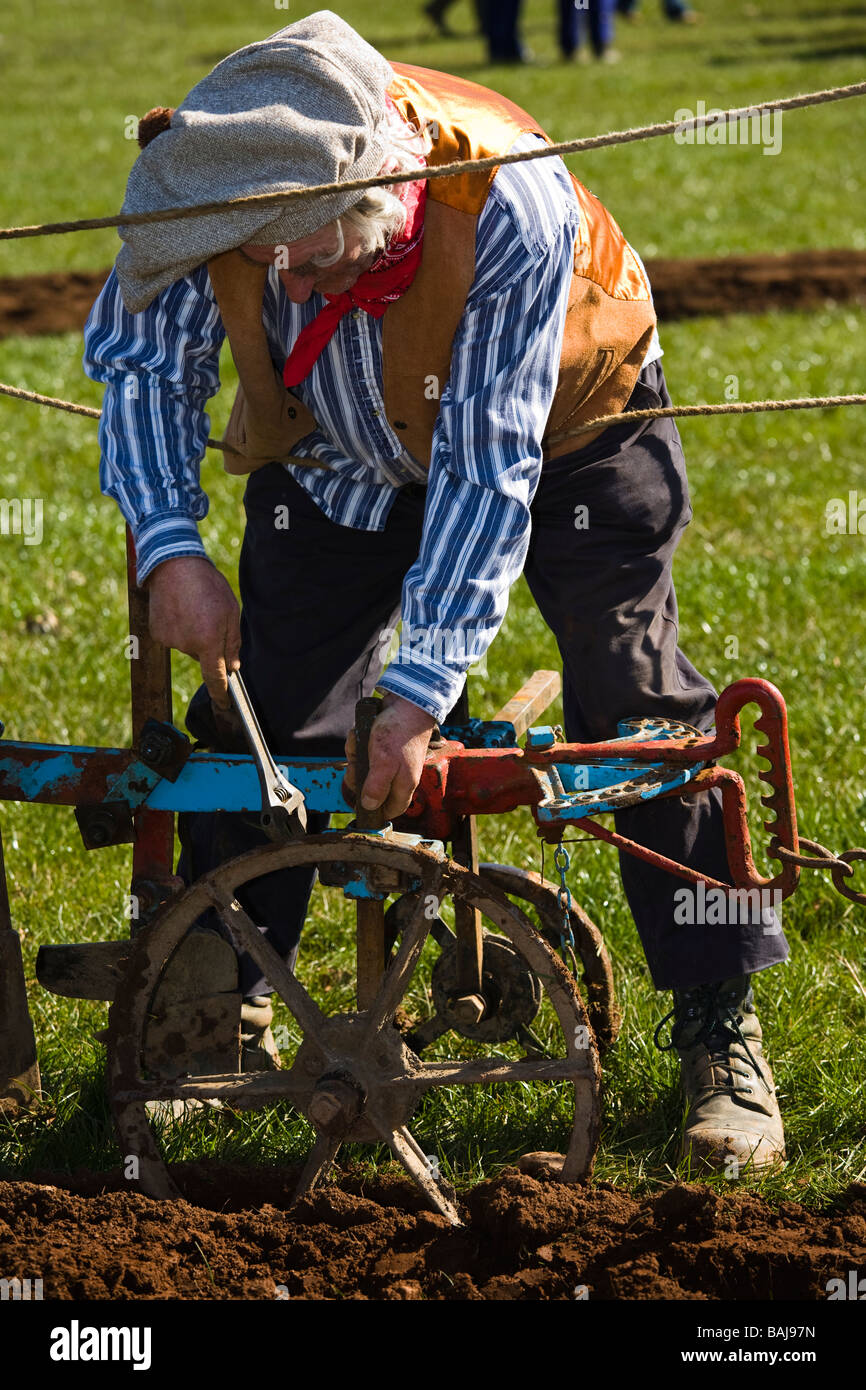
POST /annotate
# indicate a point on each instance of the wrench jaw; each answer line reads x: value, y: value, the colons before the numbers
x: 283, y: 815
x: 285, y: 821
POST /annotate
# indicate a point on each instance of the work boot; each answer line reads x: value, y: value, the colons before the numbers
x: 258, y: 1048
x: 732, y: 1116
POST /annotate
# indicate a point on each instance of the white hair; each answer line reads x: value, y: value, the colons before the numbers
x: 379, y: 214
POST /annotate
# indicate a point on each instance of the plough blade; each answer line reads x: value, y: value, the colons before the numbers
x: 19, y: 1069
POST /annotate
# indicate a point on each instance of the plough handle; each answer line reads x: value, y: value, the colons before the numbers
x: 366, y: 711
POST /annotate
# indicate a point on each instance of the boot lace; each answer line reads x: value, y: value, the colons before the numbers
x: 718, y: 1030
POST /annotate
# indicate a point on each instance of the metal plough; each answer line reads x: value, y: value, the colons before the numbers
x: 360, y: 1075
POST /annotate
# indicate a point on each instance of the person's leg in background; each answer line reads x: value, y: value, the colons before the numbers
x: 679, y: 11
x: 600, y: 14
x: 574, y: 16
x: 606, y: 591
x: 501, y: 28
x: 436, y: 11
x: 316, y: 598
x: 568, y: 27
x: 482, y: 8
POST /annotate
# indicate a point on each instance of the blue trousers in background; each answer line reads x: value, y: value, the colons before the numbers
x: 574, y: 16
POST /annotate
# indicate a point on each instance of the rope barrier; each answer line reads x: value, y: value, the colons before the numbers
x: 280, y: 197
x: 728, y: 408
x: 73, y: 408
x: 602, y: 422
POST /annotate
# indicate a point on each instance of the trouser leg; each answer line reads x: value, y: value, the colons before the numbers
x: 600, y: 16
x: 569, y: 27
x: 501, y: 29
x: 602, y: 580
x: 315, y: 600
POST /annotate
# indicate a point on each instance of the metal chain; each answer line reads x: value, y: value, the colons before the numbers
x: 562, y: 860
x: 819, y: 857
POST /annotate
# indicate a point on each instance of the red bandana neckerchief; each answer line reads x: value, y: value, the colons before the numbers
x: 387, y: 279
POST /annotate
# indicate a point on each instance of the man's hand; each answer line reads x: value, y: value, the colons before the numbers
x: 398, y: 744
x: 193, y: 610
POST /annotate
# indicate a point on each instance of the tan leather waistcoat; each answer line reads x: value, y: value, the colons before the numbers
x: 609, y: 321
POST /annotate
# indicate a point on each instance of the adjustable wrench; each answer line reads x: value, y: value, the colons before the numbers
x: 284, y: 815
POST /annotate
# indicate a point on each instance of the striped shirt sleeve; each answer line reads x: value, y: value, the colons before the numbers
x: 160, y: 367
x: 487, y: 450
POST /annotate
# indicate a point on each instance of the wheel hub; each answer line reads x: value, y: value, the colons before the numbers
x: 336, y: 1103
x: 341, y: 1077
x: 511, y: 992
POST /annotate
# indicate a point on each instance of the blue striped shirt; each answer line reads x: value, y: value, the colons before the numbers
x: 161, y: 366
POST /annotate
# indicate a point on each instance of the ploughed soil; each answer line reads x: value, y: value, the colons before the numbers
x: 60, y: 302
x: 374, y: 1239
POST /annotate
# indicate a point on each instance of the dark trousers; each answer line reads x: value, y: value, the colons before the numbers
x: 500, y: 19
x: 598, y: 14
x: 316, y: 599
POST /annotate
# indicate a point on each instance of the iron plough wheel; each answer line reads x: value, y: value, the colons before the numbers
x: 354, y: 1077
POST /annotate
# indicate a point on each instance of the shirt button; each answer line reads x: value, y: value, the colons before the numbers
x: 377, y: 413
x: 356, y: 313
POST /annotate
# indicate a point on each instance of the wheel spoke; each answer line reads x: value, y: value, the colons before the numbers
x: 442, y: 933
x: 427, y: 1032
x: 399, y: 973
x: 238, y: 1091
x: 153, y: 1176
x: 319, y: 1163
x: 413, y: 1158
x: 273, y: 968
x: 491, y: 1071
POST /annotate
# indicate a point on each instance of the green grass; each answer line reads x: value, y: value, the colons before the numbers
x: 756, y: 565
x: 74, y: 73
x: 756, y: 569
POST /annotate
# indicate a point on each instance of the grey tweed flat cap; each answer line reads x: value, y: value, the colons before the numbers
x: 303, y: 107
